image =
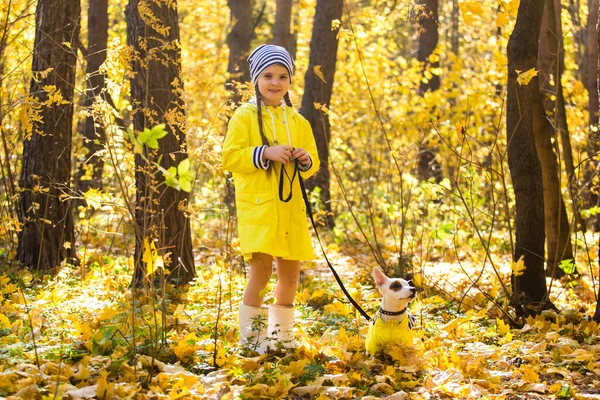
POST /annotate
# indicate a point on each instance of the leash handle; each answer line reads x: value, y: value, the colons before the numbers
x: 335, y: 274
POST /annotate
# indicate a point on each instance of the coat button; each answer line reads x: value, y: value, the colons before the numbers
x: 257, y: 200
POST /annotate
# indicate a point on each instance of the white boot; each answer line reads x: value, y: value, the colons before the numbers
x: 281, y: 325
x: 253, y: 327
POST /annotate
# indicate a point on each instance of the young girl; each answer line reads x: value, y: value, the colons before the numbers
x: 267, y: 145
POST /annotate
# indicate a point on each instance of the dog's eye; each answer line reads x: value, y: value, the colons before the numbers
x: 396, y: 286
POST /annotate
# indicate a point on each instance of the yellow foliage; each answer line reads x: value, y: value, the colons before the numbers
x: 518, y: 268
x: 524, y: 77
x: 151, y: 258
x: 186, y: 347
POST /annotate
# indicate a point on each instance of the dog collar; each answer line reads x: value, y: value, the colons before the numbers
x: 392, y: 313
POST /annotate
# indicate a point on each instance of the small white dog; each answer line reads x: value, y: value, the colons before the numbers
x: 392, y: 323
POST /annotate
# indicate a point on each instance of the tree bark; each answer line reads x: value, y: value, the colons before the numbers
x: 590, y: 71
x: 590, y: 197
x: 555, y: 37
x: 47, y: 235
x: 156, y: 87
x: 597, y: 313
x: 428, y: 39
x: 238, y: 41
x: 323, y: 54
x: 551, y: 64
x: 556, y: 221
x: 455, y: 27
x: 529, y: 288
x: 283, y: 18
x: 93, y: 133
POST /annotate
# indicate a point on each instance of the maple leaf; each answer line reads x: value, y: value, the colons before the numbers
x: 523, y: 78
x: 518, y: 268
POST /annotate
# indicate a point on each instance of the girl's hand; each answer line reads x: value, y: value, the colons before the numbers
x: 282, y: 154
x: 302, y: 156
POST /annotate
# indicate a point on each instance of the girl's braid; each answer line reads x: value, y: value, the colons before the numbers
x: 265, y: 141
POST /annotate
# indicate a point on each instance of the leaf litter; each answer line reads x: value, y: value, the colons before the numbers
x: 91, y: 337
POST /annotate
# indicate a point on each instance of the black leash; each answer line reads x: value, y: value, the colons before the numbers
x: 335, y: 274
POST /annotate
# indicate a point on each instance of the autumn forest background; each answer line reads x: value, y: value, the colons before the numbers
x: 459, y: 149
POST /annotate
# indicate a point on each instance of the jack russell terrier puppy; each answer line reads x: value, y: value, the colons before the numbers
x: 392, y: 323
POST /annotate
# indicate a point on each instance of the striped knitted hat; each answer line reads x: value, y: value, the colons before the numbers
x: 267, y: 55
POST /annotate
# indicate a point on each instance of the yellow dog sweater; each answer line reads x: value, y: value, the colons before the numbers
x: 381, y: 334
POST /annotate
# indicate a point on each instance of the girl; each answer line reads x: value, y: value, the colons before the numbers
x: 267, y: 145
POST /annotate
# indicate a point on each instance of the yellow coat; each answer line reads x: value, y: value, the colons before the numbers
x: 381, y: 334
x: 265, y: 223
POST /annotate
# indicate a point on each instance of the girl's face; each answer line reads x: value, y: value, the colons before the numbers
x: 273, y: 84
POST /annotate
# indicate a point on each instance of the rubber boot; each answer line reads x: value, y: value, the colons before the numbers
x: 281, y: 327
x: 253, y: 327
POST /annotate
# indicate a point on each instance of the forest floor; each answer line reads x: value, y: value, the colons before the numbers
x: 86, y: 335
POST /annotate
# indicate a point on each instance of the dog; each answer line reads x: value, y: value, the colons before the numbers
x: 393, y: 323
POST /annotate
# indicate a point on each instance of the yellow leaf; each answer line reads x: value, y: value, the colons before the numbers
x: 303, y: 4
x: 473, y: 7
x: 529, y: 374
x: 418, y: 280
x: 317, y: 71
x: 524, y: 77
x: 67, y: 245
x: 93, y: 198
x: 186, y: 347
x: 335, y: 308
x: 502, y: 328
x: 318, y: 293
x: 518, y: 268
x: 82, y: 373
x: 470, y: 9
x: 4, y: 322
x: 83, y: 330
x: 296, y: 368
x: 501, y: 19
x: 105, y: 390
x: 151, y: 258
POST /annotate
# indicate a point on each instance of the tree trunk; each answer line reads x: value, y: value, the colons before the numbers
x: 45, y: 211
x: 427, y: 165
x: 560, y: 114
x: 579, y: 34
x: 556, y: 221
x: 455, y: 27
x: 529, y: 288
x: 323, y: 54
x: 597, y: 40
x: 283, y: 19
x: 590, y: 197
x: 238, y: 41
x: 94, y: 136
x: 156, y: 87
x: 590, y: 70
x: 551, y: 64
x: 428, y: 39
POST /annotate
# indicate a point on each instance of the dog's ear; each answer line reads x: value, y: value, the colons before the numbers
x: 379, y: 276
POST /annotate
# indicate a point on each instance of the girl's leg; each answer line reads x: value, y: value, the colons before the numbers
x: 288, y: 272
x: 281, y: 314
x: 261, y: 268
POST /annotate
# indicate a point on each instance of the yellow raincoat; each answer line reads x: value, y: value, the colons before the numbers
x: 265, y: 223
